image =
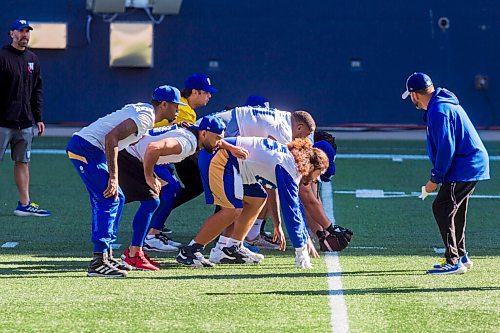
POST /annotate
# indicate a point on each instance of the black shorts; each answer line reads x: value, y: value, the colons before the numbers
x: 131, y: 178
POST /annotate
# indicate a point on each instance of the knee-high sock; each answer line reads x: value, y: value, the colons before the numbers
x: 140, y: 225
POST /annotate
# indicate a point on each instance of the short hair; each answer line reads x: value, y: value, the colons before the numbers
x: 155, y: 103
x: 186, y: 92
x: 304, y: 117
x: 325, y: 136
x: 426, y: 91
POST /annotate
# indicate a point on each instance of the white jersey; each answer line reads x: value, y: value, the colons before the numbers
x: 141, y: 113
x: 258, y: 121
x: 186, y: 139
x: 264, y: 155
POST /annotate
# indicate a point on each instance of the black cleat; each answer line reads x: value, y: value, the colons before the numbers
x: 190, y: 255
x: 100, y: 266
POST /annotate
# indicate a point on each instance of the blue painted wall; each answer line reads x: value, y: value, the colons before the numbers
x: 296, y: 53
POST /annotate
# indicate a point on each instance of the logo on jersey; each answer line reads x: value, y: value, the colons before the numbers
x: 31, y: 67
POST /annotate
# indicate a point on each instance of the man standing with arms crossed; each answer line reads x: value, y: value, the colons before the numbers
x: 20, y: 110
x: 459, y: 161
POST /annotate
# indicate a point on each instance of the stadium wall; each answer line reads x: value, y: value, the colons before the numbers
x: 344, y: 61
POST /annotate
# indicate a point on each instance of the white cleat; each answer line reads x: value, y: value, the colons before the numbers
x: 159, y: 244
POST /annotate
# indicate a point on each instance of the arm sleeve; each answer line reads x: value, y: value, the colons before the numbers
x: 443, y: 134
x: 230, y: 140
x: 291, y: 208
x: 36, y: 95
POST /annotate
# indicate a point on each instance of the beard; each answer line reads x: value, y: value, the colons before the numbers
x: 209, y: 148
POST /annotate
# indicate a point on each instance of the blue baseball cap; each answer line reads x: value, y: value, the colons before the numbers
x: 199, y: 82
x: 20, y: 24
x: 256, y: 100
x: 210, y: 123
x: 330, y: 152
x: 416, y: 81
x: 168, y: 94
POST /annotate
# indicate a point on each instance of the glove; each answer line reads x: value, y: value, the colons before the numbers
x: 337, y: 239
x: 302, y: 259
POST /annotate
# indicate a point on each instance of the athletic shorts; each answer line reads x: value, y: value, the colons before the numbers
x: 221, y: 179
x: 131, y: 178
x: 19, y: 141
x: 254, y: 191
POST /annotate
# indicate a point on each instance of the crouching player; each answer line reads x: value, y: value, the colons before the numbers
x: 331, y: 237
x: 236, y: 186
x: 139, y: 182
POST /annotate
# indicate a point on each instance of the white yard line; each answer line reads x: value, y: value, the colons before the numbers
x: 9, y: 245
x: 338, y: 308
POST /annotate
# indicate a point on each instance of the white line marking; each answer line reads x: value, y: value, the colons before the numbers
x: 338, y: 308
x: 439, y: 250
x: 367, y: 193
x: 381, y: 194
x: 368, y: 247
x: 395, y: 157
x: 336, y: 299
x: 9, y: 245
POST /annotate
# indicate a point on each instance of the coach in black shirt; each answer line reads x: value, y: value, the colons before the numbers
x: 20, y: 110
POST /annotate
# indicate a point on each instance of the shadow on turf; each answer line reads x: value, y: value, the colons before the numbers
x: 369, y: 291
x: 24, y: 268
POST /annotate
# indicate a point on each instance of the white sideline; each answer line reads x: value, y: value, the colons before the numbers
x: 338, y: 308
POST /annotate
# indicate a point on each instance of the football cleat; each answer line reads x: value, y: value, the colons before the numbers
x: 31, y: 209
x: 139, y: 261
x: 190, y: 255
x: 239, y: 255
x: 121, y: 265
x: 263, y: 242
x: 100, y: 266
x: 159, y: 243
x: 466, y: 261
x: 458, y: 268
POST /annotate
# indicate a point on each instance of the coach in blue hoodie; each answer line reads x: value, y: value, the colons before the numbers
x: 459, y: 161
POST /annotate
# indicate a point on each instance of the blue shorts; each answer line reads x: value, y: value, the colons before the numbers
x: 221, y: 179
x: 254, y: 191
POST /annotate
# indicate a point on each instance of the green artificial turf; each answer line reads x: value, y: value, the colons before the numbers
x: 44, y: 288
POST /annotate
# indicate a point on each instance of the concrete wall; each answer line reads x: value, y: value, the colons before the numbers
x: 298, y: 54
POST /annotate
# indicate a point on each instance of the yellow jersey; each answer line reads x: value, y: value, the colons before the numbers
x: 186, y: 113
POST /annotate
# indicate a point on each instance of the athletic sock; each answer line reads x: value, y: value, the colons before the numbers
x: 222, y: 242
x: 255, y: 230
x: 232, y: 242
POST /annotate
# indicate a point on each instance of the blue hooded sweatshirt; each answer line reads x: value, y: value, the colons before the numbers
x: 454, y: 147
